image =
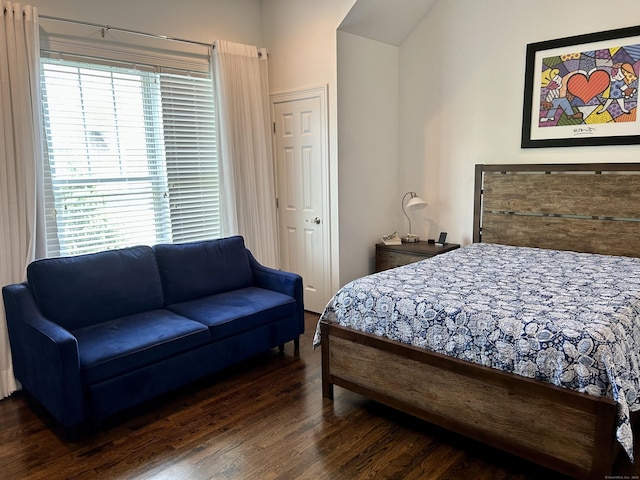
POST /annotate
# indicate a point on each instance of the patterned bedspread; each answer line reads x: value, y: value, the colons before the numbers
x: 567, y: 318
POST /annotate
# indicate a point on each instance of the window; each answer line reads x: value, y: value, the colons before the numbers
x: 130, y: 155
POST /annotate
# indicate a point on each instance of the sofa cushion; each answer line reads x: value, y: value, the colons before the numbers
x: 84, y: 290
x: 230, y: 313
x: 198, y: 269
x: 118, y: 346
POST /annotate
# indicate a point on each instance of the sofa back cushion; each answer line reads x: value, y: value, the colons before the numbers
x: 198, y: 269
x: 84, y: 290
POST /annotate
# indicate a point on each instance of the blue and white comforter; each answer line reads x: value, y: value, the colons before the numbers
x: 566, y: 318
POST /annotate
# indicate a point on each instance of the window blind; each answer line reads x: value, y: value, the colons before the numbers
x: 130, y: 155
x: 191, y: 154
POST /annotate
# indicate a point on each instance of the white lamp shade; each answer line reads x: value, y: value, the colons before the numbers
x: 416, y: 202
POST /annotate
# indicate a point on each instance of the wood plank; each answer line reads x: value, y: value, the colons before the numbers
x: 605, y: 195
x: 528, y: 423
x: 486, y: 176
x: 561, y: 167
x: 580, y: 235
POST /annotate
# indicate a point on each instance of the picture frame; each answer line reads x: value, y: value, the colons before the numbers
x: 582, y: 90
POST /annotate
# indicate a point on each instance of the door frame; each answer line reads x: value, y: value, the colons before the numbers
x: 320, y: 91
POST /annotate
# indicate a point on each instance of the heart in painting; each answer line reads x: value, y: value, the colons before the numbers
x: 586, y: 87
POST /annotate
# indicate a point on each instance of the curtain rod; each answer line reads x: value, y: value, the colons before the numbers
x: 125, y: 30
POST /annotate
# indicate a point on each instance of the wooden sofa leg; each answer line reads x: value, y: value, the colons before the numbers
x: 296, y: 346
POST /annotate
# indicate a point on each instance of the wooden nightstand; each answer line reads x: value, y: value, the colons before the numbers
x: 391, y: 256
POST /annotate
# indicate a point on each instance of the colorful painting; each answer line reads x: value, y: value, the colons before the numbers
x: 583, y: 90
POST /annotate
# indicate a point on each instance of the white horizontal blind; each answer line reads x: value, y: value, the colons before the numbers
x: 130, y: 156
x: 191, y: 152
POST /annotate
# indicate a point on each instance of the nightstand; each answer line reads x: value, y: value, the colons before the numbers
x: 391, y: 256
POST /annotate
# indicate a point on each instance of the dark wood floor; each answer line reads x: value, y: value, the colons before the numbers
x: 264, y: 420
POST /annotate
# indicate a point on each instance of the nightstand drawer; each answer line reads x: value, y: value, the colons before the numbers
x: 387, y: 260
x: 391, y: 256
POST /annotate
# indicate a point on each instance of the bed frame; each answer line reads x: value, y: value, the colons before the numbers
x: 591, y: 208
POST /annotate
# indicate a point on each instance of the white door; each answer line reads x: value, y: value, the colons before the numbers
x: 301, y: 154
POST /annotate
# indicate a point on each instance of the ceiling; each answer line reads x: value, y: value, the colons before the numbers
x: 387, y: 21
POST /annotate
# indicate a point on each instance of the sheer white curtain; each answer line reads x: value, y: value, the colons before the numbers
x: 246, y: 158
x: 19, y: 150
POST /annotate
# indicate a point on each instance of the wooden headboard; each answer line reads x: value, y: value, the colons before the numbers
x: 592, y: 208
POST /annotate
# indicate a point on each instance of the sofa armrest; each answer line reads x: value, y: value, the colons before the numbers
x: 279, y: 281
x: 45, y: 356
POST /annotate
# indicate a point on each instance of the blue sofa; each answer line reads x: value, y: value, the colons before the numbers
x: 92, y: 335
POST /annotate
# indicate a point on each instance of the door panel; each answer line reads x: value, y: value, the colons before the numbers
x: 301, y: 162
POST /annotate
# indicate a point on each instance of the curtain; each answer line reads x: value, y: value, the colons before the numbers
x: 20, y: 149
x: 247, y: 188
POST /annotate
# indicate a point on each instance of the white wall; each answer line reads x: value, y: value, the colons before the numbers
x: 300, y: 36
x: 367, y: 149
x: 362, y: 76
x: 461, y: 83
x: 200, y: 20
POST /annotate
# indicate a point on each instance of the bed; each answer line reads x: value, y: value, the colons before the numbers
x: 528, y: 339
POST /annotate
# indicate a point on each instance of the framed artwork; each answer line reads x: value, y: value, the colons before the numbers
x: 582, y: 90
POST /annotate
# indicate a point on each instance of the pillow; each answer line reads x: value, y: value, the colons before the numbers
x: 84, y: 290
x: 198, y: 269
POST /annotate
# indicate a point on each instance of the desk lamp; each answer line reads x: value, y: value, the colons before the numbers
x: 415, y: 202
